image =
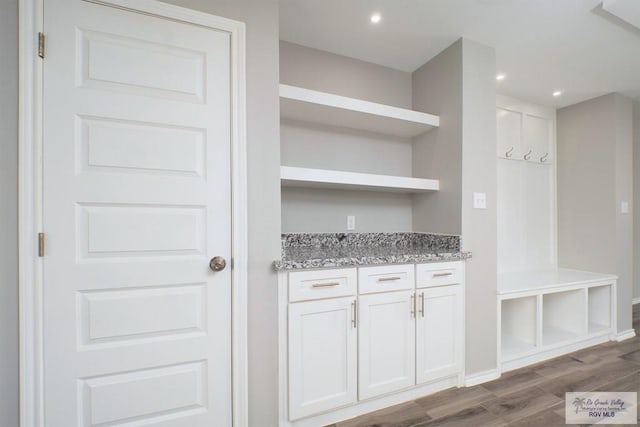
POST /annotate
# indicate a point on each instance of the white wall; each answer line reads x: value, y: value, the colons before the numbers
x: 325, y: 147
x: 594, y: 148
x: 459, y: 84
x: 9, y: 214
x: 261, y: 18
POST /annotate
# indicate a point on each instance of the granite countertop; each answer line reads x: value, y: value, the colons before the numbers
x: 316, y: 250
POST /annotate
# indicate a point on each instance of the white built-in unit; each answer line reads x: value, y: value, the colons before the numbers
x: 337, y: 116
x: 526, y: 180
x: 547, y: 313
x: 358, y: 339
x: 544, y: 311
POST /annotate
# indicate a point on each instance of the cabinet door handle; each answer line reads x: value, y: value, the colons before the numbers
x: 389, y: 279
x: 442, y: 274
x: 354, y: 314
x: 422, y: 304
x: 413, y: 306
x: 325, y: 285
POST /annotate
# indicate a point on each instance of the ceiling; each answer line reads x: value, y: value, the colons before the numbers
x: 578, y: 46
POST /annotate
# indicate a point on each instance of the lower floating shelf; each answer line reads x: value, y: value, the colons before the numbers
x: 322, y: 178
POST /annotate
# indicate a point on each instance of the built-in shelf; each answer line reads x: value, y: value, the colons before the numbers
x: 335, y: 110
x: 547, y: 313
x: 322, y: 178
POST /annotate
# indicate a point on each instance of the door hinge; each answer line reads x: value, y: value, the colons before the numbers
x: 40, y: 244
x: 41, y: 45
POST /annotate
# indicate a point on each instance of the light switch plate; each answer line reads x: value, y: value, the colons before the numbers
x: 624, y: 207
x: 351, y: 222
x: 479, y: 200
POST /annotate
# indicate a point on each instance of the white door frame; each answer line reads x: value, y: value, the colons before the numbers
x: 30, y: 200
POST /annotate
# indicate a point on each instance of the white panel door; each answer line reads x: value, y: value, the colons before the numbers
x: 386, y: 343
x: 322, y: 356
x: 439, y: 333
x: 136, y: 152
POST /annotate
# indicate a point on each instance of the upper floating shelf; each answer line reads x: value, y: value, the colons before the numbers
x: 335, y: 110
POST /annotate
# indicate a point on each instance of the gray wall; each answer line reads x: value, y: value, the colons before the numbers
x: 9, y: 380
x: 319, y: 70
x: 479, y: 226
x: 594, y: 149
x: 459, y: 85
x: 437, y: 89
x: 636, y: 200
x: 261, y: 18
x: 324, y: 147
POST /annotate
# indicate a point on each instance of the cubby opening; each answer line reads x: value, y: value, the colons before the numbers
x: 599, y: 309
x: 564, y: 316
x: 519, y: 317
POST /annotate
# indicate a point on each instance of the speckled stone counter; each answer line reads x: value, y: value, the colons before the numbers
x: 316, y: 250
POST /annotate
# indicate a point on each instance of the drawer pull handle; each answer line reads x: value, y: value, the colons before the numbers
x: 442, y: 274
x: 389, y: 279
x: 325, y: 285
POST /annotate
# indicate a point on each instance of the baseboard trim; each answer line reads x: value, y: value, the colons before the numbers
x: 635, y: 300
x: 625, y: 335
x: 481, y: 377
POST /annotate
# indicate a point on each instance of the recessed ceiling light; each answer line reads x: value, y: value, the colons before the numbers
x: 557, y: 93
x: 500, y: 76
x: 376, y: 17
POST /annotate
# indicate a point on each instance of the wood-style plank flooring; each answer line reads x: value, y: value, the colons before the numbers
x: 529, y: 397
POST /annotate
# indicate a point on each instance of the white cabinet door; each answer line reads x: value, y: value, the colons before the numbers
x: 439, y: 333
x: 322, y: 356
x: 386, y: 357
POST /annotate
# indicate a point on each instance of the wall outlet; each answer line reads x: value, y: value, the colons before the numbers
x: 351, y: 222
x: 479, y: 201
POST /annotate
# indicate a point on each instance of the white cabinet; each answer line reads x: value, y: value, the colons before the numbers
x: 322, y: 355
x: 397, y: 335
x: 439, y: 336
x: 386, y: 350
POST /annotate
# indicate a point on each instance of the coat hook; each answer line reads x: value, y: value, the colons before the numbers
x: 509, y: 152
x: 528, y: 155
x: 544, y: 158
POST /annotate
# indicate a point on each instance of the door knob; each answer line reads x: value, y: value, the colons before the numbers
x: 217, y: 263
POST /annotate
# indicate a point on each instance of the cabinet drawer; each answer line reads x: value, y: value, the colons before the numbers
x: 317, y: 284
x: 438, y: 274
x: 385, y: 278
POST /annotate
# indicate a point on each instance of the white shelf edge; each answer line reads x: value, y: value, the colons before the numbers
x: 322, y: 178
x: 408, y: 122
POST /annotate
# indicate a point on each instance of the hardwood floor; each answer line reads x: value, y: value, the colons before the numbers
x: 529, y: 397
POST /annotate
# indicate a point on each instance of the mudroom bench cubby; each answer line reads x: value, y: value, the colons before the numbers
x: 544, y: 314
x: 367, y: 320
